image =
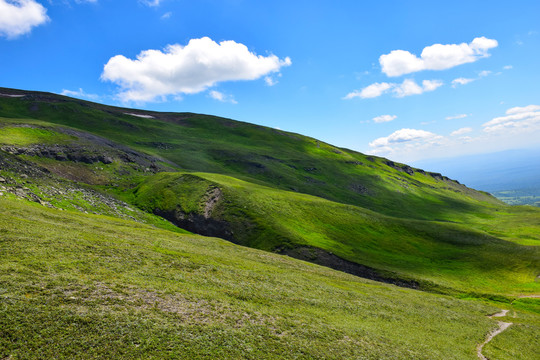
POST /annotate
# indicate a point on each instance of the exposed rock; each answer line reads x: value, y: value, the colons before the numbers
x: 405, y: 168
x: 359, y: 189
x: 198, y: 223
x: 313, y: 181
x: 213, y: 196
x: 324, y: 258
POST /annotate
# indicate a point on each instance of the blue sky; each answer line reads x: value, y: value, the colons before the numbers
x: 407, y: 80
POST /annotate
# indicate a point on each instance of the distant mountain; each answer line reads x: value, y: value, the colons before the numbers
x: 505, y: 170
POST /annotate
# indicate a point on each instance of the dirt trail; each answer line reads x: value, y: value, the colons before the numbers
x: 502, y: 326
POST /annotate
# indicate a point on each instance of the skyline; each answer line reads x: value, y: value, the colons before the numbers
x: 422, y: 81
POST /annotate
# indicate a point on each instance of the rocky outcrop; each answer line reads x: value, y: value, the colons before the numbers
x: 400, y: 167
x: 203, y: 222
x: 325, y: 258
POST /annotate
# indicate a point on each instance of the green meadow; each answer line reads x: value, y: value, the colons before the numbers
x: 89, y: 286
x: 102, y: 255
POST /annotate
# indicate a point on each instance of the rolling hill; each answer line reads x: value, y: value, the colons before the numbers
x: 111, y: 199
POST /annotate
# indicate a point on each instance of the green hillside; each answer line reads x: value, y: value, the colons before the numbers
x: 445, y: 254
x: 80, y: 286
x: 258, y: 154
x: 280, y: 192
x: 100, y: 207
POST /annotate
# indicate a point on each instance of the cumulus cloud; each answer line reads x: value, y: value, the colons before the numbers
x: 461, y: 81
x: 436, y: 57
x: 189, y: 69
x: 371, y: 91
x: 517, y: 119
x: 461, y: 131
x: 410, y: 87
x: 508, y: 67
x: 406, y: 88
x: 459, y: 116
x: 524, y: 109
x: 384, y: 118
x: 222, y: 97
x: 403, y: 135
x: 18, y: 17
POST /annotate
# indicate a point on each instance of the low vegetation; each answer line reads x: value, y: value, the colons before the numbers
x: 99, y: 257
x: 87, y: 286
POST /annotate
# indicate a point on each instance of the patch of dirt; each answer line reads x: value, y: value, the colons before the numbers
x: 213, y: 196
x: 188, y: 310
x: 501, y: 327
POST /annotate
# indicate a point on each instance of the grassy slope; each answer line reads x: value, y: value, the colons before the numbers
x: 447, y: 254
x: 85, y: 286
x: 521, y: 339
x: 263, y: 155
x: 106, y: 287
x: 460, y: 255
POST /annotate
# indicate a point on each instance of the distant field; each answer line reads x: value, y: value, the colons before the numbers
x: 519, y: 197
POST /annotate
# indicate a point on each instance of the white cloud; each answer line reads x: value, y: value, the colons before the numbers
x: 508, y: 67
x: 403, y: 135
x: 484, y: 73
x: 406, y: 88
x: 270, y: 81
x: 436, y: 57
x: 410, y: 87
x: 461, y: 131
x: 189, y: 69
x: 461, y: 81
x: 371, y: 91
x: 525, y: 109
x: 517, y: 119
x: 384, y: 118
x: 519, y: 127
x: 430, y: 85
x: 167, y: 15
x: 459, y: 116
x: 151, y: 2
x: 79, y: 94
x: 222, y: 97
x: 18, y: 17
